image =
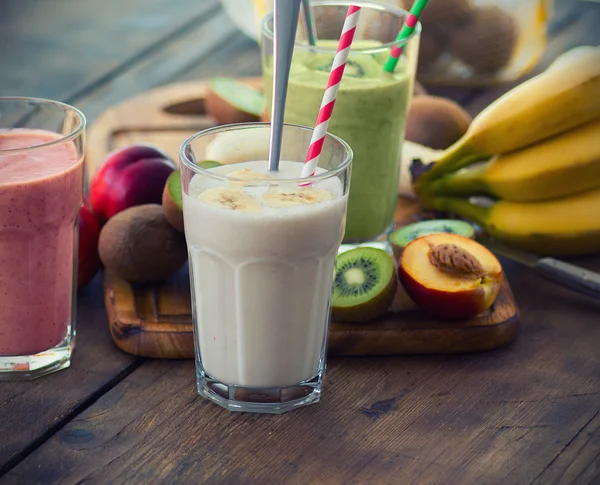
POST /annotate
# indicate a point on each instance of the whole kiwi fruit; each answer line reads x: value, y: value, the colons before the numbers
x: 431, y: 47
x: 488, y: 41
x: 171, y: 201
x: 139, y: 245
x: 435, y: 122
x: 446, y: 15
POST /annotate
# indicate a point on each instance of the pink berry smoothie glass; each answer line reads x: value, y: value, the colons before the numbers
x: 41, y: 186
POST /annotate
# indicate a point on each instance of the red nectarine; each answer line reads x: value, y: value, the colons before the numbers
x: 130, y: 176
x: 449, y: 275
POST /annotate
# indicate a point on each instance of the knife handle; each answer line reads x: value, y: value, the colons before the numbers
x: 570, y: 276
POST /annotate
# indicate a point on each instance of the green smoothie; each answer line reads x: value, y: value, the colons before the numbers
x: 369, y: 114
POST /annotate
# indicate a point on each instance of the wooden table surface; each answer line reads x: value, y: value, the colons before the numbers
x: 528, y: 413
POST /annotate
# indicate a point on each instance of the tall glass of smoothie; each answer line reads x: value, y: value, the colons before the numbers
x: 41, y: 184
x: 262, y: 247
x: 371, y: 106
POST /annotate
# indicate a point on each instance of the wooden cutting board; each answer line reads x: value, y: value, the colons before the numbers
x: 155, y: 320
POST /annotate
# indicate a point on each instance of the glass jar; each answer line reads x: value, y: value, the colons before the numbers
x: 464, y: 42
x: 480, y: 42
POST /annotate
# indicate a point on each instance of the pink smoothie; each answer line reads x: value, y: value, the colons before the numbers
x: 40, y: 196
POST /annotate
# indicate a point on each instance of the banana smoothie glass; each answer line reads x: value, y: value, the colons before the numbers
x: 262, y: 248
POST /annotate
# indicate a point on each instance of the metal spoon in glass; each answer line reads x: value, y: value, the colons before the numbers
x: 308, y: 20
x: 285, y: 19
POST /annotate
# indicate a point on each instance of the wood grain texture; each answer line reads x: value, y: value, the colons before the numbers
x: 63, y: 49
x: 70, y: 52
x: 526, y: 413
x: 191, y: 47
x: 156, y: 321
x: 495, y: 417
x: 32, y: 410
x: 166, y: 116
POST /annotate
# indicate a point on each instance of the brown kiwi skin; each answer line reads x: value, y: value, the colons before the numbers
x: 436, y: 122
x: 431, y: 47
x: 370, y: 310
x: 440, y: 20
x: 140, y: 245
x: 446, y: 14
x: 172, y: 212
x: 488, y: 41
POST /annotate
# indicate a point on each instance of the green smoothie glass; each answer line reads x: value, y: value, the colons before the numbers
x: 371, y: 106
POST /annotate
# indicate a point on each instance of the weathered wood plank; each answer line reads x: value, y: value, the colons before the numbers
x: 33, y: 410
x: 578, y: 461
x: 243, y: 60
x: 60, y: 48
x: 498, y: 417
x: 511, y: 416
x: 166, y: 64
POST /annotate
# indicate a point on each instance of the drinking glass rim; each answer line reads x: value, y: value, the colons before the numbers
x: 232, y: 127
x: 400, y: 12
x: 63, y: 138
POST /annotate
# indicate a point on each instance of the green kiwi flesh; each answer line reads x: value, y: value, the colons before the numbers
x: 208, y: 164
x: 364, y: 285
x: 171, y: 201
x: 174, y: 185
x: 401, y: 237
x: 352, y: 69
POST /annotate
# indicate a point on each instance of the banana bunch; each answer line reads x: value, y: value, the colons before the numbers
x: 536, y: 151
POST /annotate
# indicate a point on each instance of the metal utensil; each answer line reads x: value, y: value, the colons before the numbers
x: 285, y: 19
x: 570, y: 276
x: 308, y: 19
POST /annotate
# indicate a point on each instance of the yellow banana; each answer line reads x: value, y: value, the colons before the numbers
x: 565, y: 226
x: 560, y: 166
x: 559, y: 99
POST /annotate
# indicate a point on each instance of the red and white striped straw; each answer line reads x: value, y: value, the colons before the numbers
x: 335, y: 77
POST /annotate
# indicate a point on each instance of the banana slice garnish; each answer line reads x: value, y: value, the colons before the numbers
x: 230, y: 199
x: 292, y: 196
x: 246, y: 173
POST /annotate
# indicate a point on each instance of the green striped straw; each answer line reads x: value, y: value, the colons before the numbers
x: 407, y: 29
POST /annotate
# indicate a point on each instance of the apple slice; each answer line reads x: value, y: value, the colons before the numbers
x: 230, y: 101
x: 450, y: 276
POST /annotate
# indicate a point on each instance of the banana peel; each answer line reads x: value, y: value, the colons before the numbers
x: 562, y: 97
x: 558, y: 167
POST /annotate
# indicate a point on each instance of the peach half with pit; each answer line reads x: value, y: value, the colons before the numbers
x: 450, y: 276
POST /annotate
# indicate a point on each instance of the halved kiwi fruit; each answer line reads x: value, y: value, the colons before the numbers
x: 231, y: 101
x: 364, y: 286
x: 171, y: 201
x: 401, y: 237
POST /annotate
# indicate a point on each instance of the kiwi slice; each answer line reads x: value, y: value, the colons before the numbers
x: 352, y: 69
x: 401, y: 237
x: 208, y: 164
x: 364, y: 286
